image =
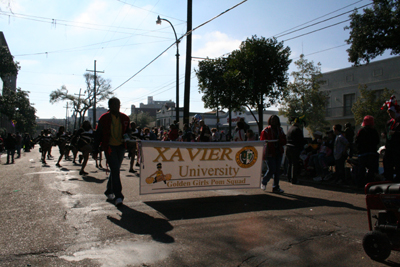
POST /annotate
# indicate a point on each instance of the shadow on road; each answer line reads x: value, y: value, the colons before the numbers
x: 91, y: 179
x: 143, y: 224
x: 224, y: 205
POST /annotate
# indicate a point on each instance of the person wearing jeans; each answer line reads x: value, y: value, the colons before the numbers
x: 110, y: 132
x: 274, y: 152
x: 114, y: 160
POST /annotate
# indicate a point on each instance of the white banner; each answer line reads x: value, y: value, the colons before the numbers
x: 168, y: 167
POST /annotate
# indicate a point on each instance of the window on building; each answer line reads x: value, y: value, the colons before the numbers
x: 349, y: 100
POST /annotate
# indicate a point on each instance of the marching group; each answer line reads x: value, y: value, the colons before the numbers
x: 116, y: 134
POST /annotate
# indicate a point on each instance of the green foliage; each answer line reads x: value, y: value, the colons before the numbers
x: 370, y: 104
x: 304, y: 96
x: 218, y: 84
x: 82, y: 103
x: 17, y: 107
x: 142, y: 119
x: 374, y: 31
x: 249, y: 76
x: 7, y: 64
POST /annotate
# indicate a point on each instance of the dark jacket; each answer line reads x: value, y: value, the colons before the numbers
x: 103, y: 132
x: 10, y: 142
x: 295, y: 137
x: 367, y: 140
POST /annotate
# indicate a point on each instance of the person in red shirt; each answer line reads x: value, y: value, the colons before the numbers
x: 110, y: 133
x: 274, y: 152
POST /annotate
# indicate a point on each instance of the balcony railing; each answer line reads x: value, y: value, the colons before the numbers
x: 338, y: 112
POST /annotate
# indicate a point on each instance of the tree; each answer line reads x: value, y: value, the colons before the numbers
x: 262, y: 66
x: 7, y: 64
x: 219, y: 83
x: 304, y: 96
x: 249, y: 76
x: 142, y: 119
x: 17, y: 107
x: 374, y: 31
x: 82, y: 105
x: 369, y: 103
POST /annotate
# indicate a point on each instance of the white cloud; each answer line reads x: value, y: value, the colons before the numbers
x: 215, y: 45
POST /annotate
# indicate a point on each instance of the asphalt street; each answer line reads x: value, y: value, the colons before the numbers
x: 54, y: 217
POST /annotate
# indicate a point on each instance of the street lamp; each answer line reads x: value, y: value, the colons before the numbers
x: 158, y: 22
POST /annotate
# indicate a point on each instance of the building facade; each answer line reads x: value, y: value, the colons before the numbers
x: 152, y: 107
x: 343, y: 86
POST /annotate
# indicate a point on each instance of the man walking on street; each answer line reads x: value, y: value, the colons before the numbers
x: 110, y: 131
x: 10, y: 147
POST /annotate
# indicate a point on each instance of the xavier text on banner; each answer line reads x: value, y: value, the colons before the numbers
x: 180, y: 167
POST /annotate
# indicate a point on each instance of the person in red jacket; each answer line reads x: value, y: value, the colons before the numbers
x: 274, y: 152
x: 110, y: 133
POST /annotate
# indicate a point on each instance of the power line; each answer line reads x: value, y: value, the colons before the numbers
x: 56, y: 21
x: 318, y: 18
x: 77, y: 49
x: 321, y: 21
x: 179, y: 40
x: 320, y: 51
x: 165, y: 16
x: 320, y: 29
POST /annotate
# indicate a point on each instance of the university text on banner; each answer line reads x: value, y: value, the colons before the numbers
x: 193, y: 166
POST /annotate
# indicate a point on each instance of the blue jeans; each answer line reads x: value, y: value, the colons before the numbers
x: 114, y: 160
x: 274, y: 169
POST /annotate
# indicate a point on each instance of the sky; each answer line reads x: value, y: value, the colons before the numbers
x: 57, y: 41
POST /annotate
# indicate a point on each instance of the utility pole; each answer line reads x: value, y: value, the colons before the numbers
x: 66, y: 118
x: 188, y: 64
x: 79, y: 106
x: 94, y: 93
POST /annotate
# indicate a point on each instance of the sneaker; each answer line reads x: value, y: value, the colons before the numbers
x: 328, y: 177
x: 118, y: 202
x: 110, y: 197
x: 263, y: 186
x: 317, y: 179
x: 58, y: 165
x: 83, y: 173
x: 132, y: 171
x: 277, y: 190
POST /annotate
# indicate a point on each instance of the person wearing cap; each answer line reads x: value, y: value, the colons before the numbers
x: 367, y: 141
x: 391, y: 159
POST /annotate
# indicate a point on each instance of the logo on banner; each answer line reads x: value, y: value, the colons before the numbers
x: 246, y: 157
